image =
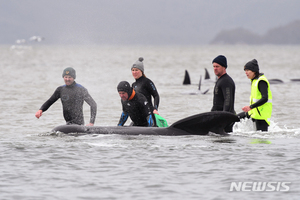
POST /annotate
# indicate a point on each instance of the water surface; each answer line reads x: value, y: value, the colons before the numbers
x: 36, y: 164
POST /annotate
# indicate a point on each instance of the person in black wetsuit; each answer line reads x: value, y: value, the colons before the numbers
x: 145, y: 86
x: 224, y: 90
x: 260, y: 108
x: 72, y: 97
x: 134, y: 105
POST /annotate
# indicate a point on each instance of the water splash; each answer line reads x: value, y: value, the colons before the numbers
x: 247, y: 128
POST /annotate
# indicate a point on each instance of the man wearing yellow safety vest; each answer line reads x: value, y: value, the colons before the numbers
x: 260, y: 108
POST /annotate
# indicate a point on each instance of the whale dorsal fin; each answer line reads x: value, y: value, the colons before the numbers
x: 203, y: 123
x: 187, y: 80
x: 206, y: 74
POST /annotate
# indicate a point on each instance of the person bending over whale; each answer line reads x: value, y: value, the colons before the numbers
x: 145, y: 86
x: 72, y: 97
x: 134, y: 105
x: 260, y: 108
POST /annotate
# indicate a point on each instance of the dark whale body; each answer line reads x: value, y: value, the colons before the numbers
x: 200, y: 124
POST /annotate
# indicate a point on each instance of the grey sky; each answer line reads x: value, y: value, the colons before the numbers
x: 138, y: 21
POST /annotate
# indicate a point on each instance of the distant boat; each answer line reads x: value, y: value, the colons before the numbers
x: 36, y: 38
x: 20, y: 41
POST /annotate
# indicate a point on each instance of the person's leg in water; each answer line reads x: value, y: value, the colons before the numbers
x: 261, y: 125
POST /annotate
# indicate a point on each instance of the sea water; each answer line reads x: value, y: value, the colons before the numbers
x: 37, y: 164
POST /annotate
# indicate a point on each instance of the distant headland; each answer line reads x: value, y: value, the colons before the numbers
x: 288, y: 34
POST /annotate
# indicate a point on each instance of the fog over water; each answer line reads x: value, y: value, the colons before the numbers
x: 156, y: 22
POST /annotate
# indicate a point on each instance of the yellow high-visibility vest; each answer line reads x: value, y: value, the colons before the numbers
x: 264, y: 111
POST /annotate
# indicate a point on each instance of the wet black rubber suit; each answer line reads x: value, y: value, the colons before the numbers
x: 138, y: 110
x: 145, y: 86
x: 72, y: 98
x: 223, y: 100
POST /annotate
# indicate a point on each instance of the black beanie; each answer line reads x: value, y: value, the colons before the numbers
x: 124, y: 86
x: 69, y: 71
x: 252, y: 65
x: 221, y: 60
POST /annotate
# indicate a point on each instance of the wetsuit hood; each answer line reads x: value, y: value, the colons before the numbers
x: 124, y: 86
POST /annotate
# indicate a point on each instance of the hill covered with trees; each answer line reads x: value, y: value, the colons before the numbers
x: 288, y: 34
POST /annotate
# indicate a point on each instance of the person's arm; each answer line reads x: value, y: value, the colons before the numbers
x: 93, y: 106
x: 228, y: 94
x: 147, y: 111
x: 48, y: 103
x: 38, y: 114
x: 153, y: 91
x: 123, y: 119
x: 263, y: 88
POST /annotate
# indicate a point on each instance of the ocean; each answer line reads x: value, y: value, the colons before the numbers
x: 39, y: 164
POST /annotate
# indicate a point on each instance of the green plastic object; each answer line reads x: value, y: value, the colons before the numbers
x: 160, y: 121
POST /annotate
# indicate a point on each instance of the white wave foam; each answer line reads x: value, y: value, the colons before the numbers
x: 246, y: 127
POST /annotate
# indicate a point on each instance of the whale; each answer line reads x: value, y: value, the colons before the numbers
x: 187, y: 79
x: 295, y: 79
x: 275, y: 81
x: 207, y: 76
x: 199, y: 124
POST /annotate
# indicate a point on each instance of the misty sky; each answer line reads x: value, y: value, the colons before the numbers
x: 138, y: 21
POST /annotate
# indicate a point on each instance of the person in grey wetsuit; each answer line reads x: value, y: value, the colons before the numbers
x: 72, y: 97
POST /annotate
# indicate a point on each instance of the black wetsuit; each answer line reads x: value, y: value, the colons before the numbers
x: 147, y: 88
x: 263, y: 89
x: 138, y: 110
x: 224, y: 93
x: 72, y: 98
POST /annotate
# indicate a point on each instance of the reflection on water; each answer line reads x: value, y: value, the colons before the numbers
x: 260, y: 141
x: 224, y: 140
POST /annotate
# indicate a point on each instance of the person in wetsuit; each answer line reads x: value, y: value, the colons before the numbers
x: 72, y: 97
x: 260, y: 108
x: 145, y: 86
x: 134, y: 105
x: 224, y: 90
